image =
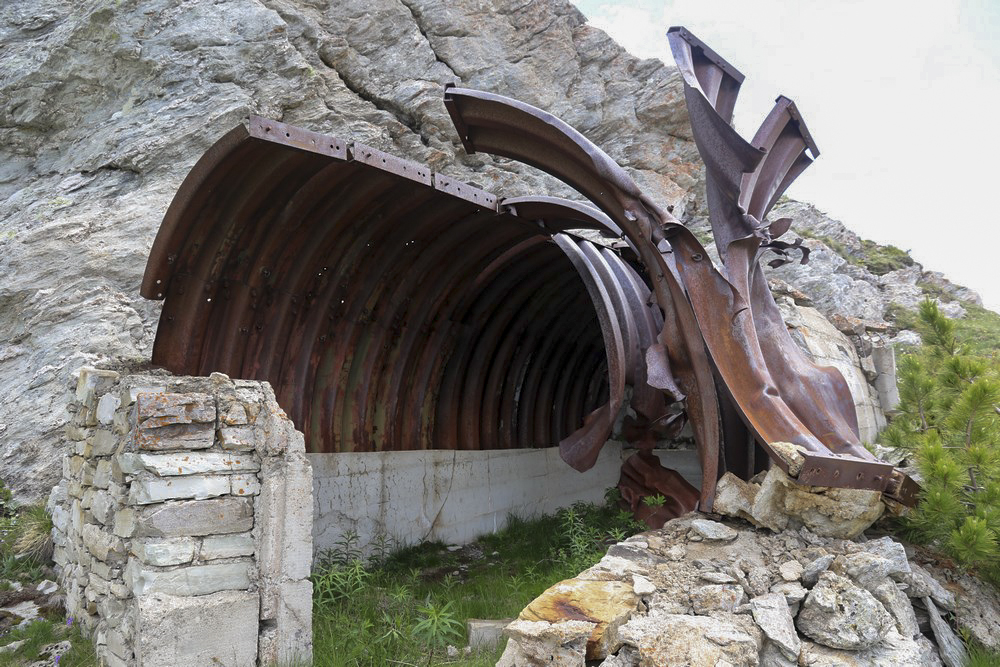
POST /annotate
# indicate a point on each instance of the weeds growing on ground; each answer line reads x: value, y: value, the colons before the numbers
x: 405, y: 607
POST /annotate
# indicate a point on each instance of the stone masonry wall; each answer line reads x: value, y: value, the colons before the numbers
x: 183, y: 522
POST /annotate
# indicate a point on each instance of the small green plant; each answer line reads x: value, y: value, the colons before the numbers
x: 437, y: 626
x: 657, y: 500
x: 345, y: 550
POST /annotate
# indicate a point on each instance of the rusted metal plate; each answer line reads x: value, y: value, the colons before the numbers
x: 375, y: 158
x: 768, y: 381
x: 844, y: 471
x: 290, y: 135
x: 465, y: 191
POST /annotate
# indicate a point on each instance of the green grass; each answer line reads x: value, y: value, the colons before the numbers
x: 980, y: 330
x: 43, y: 632
x: 982, y: 657
x: 882, y: 259
x: 407, y: 608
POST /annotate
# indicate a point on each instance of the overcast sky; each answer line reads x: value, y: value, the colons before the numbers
x: 902, y: 98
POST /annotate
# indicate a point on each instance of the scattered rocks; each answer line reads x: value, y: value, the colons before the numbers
x: 717, y: 597
x: 811, y: 572
x: 839, y: 614
x: 696, y: 641
x: 791, y: 570
x: 771, y: 614
x: 952, y: 651
x: 843, y: 513
x: 604, y: 604
x: 712, y: 530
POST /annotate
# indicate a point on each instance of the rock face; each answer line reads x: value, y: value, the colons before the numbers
x: 819, y: 612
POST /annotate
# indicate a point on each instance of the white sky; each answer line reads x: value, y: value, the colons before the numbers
x: 901, y: 97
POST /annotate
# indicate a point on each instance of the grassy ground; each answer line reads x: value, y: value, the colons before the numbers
x: 407, y: 608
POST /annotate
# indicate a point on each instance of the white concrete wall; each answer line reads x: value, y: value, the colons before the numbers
x: 452, y: 496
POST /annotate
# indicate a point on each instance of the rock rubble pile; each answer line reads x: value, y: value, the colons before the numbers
x: 710, y: 592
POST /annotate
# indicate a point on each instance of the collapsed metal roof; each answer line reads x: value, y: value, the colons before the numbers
x: 396, y: 308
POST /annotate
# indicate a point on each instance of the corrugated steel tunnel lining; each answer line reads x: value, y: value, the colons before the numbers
x: 390, y: 308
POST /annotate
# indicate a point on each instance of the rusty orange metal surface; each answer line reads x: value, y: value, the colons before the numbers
x: 395, y: 308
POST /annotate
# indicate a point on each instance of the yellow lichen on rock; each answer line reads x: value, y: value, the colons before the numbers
x: 609, y: 604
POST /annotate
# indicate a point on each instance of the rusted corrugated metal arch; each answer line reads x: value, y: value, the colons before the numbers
x: 395, y: 308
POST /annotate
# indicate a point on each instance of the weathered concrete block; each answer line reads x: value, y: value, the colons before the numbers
x: 232, y: 412
x: 103, y: 443
x: 197, y: 517
x: 76, y: 432
x: 163, y: 552
x: 103, y: 545
x: 174, y: 421
x: 190, y: 580
x: 174, y: 436
x: 125, y: 521
x: 94, y: 381
x: 194, y: 463
x: 226, y: 546
x: 115, y: 641
x: 97, y: 586
x: 156, y: 410
x: 129, y: 395
x: 290, y: 638
x: 87, y: 471
x: 284, y: 521
x: 148, y: 490
x: 102, y: 473
x: 106, y: 408
x: 60, y: 518
x: 206, y: 631
x: 102, y: 507
x: 239, y: 439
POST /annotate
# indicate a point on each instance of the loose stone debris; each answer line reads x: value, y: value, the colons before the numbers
x: 751, y: 597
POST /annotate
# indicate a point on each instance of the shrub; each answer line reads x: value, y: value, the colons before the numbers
x: 949, y: 416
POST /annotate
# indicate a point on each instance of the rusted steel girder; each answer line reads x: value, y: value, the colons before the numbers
x: 395, y: 308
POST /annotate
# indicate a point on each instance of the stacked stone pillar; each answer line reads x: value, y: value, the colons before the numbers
x: 183, y: 522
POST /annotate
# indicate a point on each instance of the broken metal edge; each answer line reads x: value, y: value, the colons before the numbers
x: 709, y: 52
x: 796, y: 115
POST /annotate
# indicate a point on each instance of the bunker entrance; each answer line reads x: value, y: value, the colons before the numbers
x: 393, y: 308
